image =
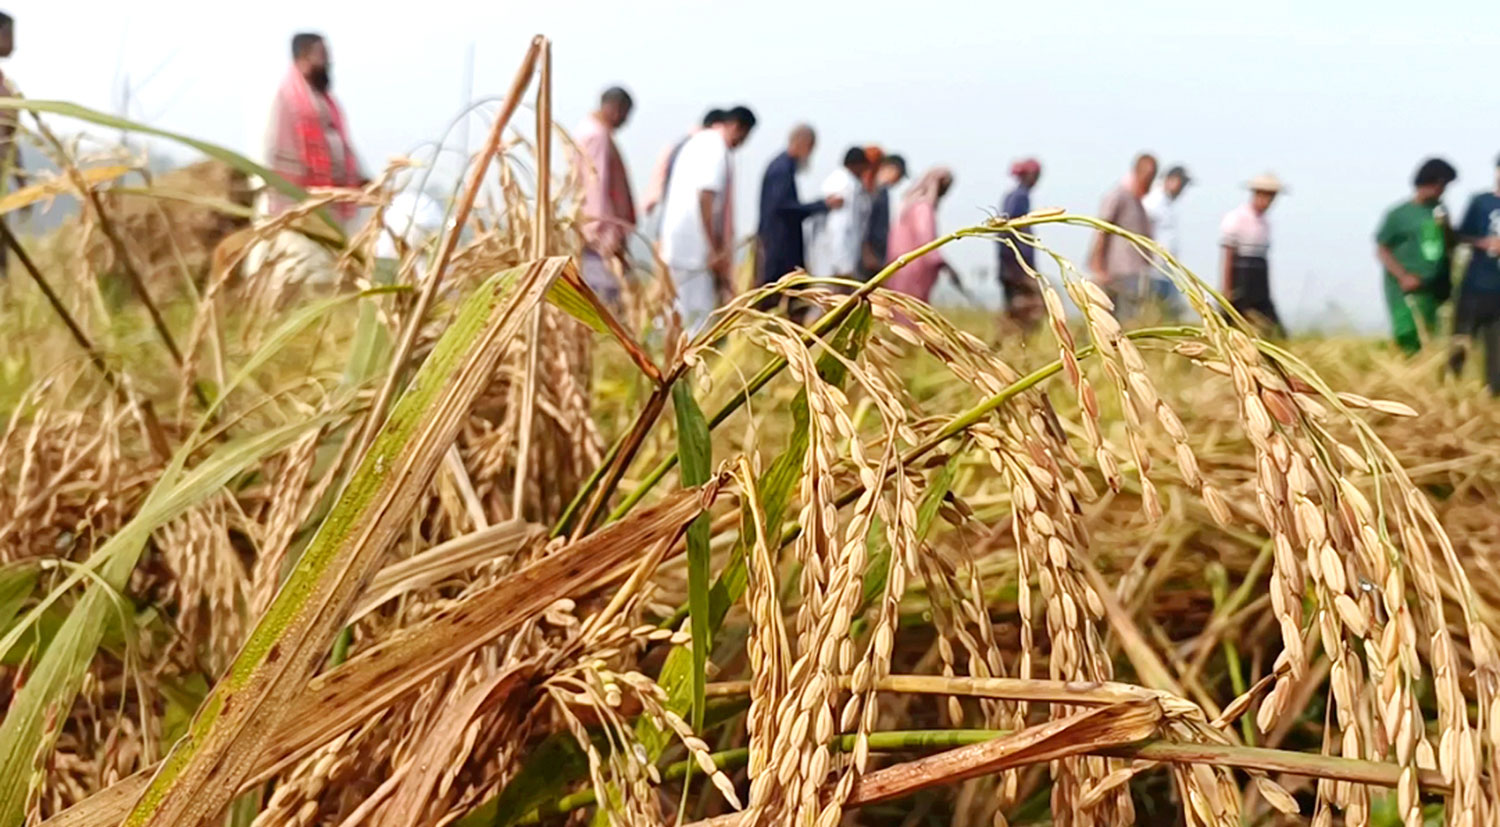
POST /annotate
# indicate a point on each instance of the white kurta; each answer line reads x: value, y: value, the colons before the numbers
x: 1163, y: 213
x: 836, y: 237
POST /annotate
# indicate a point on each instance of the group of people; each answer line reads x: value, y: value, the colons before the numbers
x: 850, y: 231
x: 847, y: 233
x: 1145, y: 206
x: 1416, y: 243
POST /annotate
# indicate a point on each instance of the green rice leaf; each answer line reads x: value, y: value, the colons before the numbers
x: 697, y: 460
x: 776, y: 486
x: 16, y: 583
x: 567, y: 298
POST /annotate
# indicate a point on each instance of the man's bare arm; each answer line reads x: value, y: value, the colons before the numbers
x: 1227, y: 270
x: 1407, y: 281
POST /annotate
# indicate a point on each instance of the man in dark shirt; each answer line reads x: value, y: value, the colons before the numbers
x: 1023, y: 298
x: 782, y: 247
x: 1478, y: 312
x: 890, y: 172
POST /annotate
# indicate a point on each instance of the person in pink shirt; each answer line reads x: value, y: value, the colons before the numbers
x: 915, y: 226
x: 608, y: 207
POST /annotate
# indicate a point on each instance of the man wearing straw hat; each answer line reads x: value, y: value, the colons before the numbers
x: 1245, y: 237
x: 1413, y: 244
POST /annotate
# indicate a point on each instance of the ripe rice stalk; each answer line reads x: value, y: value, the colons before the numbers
x: 369, y: 682
x: 697, y: 459
x: 29, y: 725
x: 681, y: 672
x: 287, y: 644
x: 411, y: 796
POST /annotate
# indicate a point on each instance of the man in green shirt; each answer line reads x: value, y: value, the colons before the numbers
x: 1413, y: 244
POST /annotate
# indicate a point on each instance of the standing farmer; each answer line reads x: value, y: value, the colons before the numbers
x: 1161, y: 208
x: 782, y: 211
x: 892, y: 171
x: 10, y: 155
x: 837, y: 237
x: 1413, y: 243
x: 608, y: 207
x: 916, y: 226
x: 697, y: 242
x: 1118, y: 266
x: 308, y: 143
x: 1023, y: 298
x: 1478, y: 313
x: 1245, y: 238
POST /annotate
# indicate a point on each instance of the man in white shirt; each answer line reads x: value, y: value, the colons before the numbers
x: 1161, y: 208
x: 837, y: 236
x: 693, y: 242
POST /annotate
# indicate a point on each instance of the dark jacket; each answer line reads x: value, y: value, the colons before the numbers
x: 781, y: 214
x: 1017, y: 203
x: 880, y: 229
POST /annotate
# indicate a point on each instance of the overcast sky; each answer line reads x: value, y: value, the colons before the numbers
x: 1339, y: 98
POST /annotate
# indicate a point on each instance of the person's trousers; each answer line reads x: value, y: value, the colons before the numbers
x: 1477, y: 324
x: 1414, y: 316
x: 600, y: 278
x: 1486, y: 334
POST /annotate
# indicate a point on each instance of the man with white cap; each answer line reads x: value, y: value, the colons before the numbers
x: 1246, y: 239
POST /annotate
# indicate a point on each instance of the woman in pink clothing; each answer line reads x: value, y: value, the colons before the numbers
x: 915, y: 226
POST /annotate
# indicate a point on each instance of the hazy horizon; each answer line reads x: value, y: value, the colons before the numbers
x: 1340, y: 99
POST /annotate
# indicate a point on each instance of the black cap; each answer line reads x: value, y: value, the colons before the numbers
x: 1435, y: 171
x: 1181, y: 172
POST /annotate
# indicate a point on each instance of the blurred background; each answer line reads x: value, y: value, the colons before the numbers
x: 1340, y: 99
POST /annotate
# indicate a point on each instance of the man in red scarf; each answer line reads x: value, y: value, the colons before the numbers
x: 308, y: 141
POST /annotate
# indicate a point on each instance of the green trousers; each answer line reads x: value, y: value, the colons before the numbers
x: 1410, y: 328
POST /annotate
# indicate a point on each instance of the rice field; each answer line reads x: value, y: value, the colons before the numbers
x: 334, y: 540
